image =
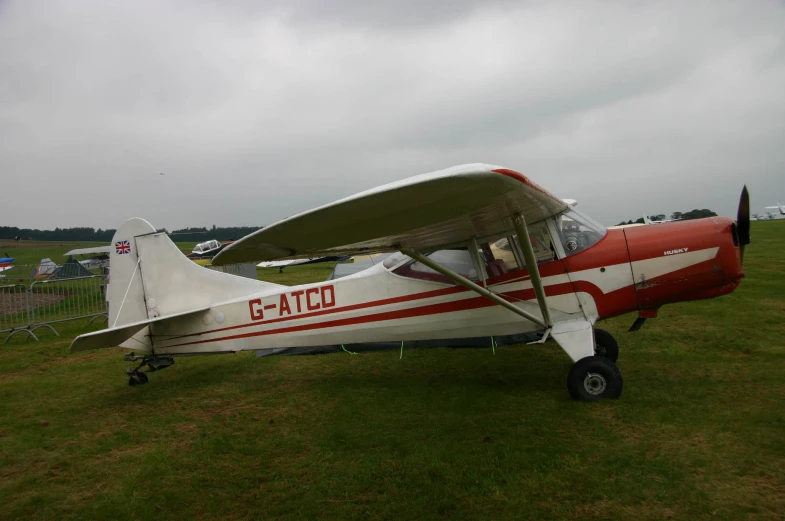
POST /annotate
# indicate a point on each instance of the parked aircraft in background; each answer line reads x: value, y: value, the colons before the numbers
x: 646, y: 220
x: 208, y: 249
x: 46, y: 268
x: 281, y: 264
x: 562, y: 273
x: 92, y: 258
x: 779, y: 208
x: 6, y: 263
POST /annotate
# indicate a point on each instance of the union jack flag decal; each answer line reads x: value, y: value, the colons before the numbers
x: 122, y: 247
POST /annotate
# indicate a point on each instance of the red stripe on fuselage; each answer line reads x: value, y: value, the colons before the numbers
x: 353, y: 307
x: 546, y: 270
x: 444, y: 307
x: 431, y: 309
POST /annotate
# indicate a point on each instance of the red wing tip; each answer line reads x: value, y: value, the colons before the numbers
x: 508, y: 172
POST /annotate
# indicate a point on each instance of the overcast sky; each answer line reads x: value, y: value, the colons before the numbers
x: 257, y: 110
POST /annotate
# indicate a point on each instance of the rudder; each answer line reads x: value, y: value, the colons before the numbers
x: 126, y: 289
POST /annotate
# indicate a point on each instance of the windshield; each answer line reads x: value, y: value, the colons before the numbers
x: 577, y: 231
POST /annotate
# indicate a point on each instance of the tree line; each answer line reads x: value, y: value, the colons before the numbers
x: 221, y: 233
x: 84, y: 234
x: 676, y: 216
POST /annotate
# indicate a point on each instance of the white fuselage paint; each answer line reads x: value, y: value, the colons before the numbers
x: 377, y: 305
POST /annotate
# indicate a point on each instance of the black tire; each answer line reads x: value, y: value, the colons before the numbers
x: 605, y: 345
x: 137, y: 379
x: 594, y: 378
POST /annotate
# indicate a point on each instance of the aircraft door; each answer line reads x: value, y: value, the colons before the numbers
x: 597, y: 264
x: 508, y: 266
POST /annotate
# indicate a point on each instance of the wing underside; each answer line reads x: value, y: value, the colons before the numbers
x: 425, y: 212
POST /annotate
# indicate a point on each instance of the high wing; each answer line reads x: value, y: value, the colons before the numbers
x: 89, y: 251
x: 424, y: 212
x: 281, y: 263
x: 299, y: 262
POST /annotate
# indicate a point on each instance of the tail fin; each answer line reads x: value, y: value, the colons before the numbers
x: 150, y: 278
x: 126, y: 292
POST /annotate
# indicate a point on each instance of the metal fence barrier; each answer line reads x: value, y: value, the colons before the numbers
x: 56, y: 300
x: 28, y: 303
x: 30, y: 300
x: 14, y: 309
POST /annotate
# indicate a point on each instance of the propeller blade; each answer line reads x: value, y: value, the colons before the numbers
x: 743, y: 220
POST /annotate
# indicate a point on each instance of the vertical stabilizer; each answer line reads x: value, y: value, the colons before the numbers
x: 126, y: 290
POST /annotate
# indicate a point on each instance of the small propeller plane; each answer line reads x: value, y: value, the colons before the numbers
x: 207, y: 249
x: 780, y: 208
x: 560, y: 274
x: 281, y: 264
x: 6, y: 263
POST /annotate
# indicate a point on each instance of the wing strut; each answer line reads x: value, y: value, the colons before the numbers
x: 531, y: 264
x: 474, y: 287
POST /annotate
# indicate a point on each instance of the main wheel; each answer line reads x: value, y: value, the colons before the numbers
x: 605, y: 345
x: 594, y: 378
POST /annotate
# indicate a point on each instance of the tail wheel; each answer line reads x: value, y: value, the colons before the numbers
x: 137, y: 378
x: 594, y: 378
x: 605, y: 345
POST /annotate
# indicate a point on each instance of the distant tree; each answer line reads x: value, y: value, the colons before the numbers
x: 698, y: 214
x: 658, y: 217
x: 676, y: 216
x: 99, y: 235
x: 639, y: 220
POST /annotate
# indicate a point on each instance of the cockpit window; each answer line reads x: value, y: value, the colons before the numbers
x: 458, y: 261
x: 577, y: 231
x: 541, y: 244
x: 206, y: 246
x: 503, y: 244
x: 498, y: 257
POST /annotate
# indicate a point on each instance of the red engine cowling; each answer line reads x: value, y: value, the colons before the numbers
x: 685, y: 260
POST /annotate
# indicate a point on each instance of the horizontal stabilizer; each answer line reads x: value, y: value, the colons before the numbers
x: 115, y: 336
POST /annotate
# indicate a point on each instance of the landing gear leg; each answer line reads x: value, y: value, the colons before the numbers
x: 154, y: 363
x: 592, y: 377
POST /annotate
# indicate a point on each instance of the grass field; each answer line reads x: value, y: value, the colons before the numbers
x: 699, y: 432
x: 31, y: 252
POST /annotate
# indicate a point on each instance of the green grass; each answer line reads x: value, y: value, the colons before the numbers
x: 31, y: 252
x: 699, y: 432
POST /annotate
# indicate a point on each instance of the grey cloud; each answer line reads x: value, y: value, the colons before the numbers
x: 256, y: 113
x: 375, y: 15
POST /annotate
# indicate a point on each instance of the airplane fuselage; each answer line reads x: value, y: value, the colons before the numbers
x: 631, y: 269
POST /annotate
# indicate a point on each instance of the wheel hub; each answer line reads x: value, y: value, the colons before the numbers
x: 594, y: 383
